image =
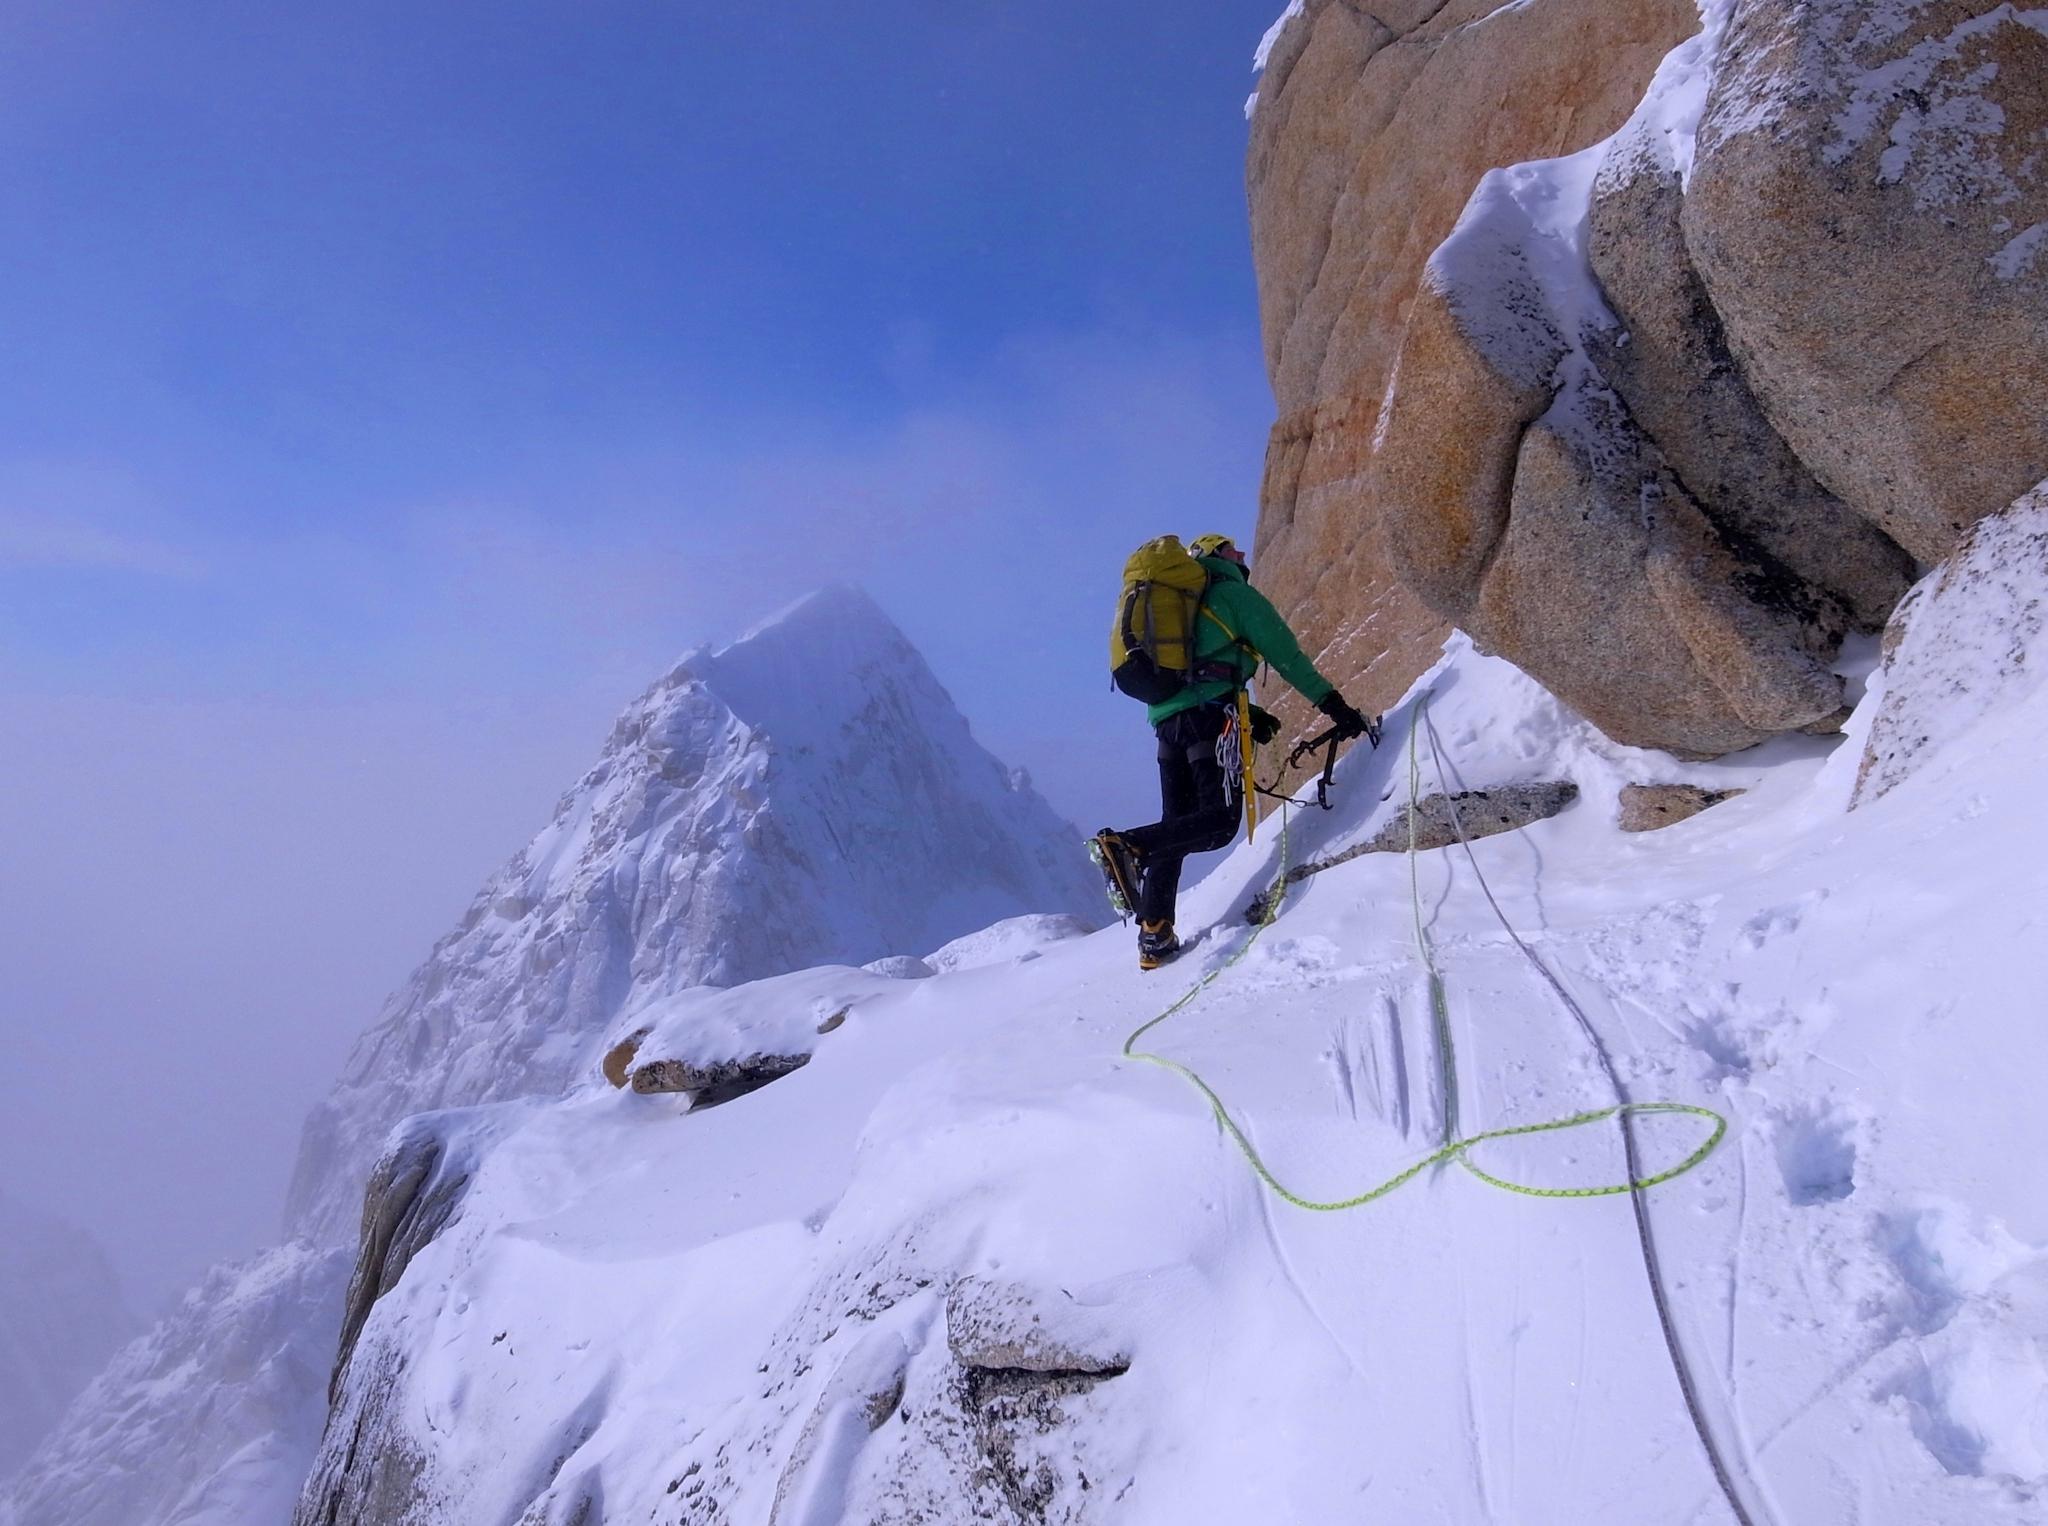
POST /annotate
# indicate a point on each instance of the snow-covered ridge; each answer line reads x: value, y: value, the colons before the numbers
x: 966, y: 1265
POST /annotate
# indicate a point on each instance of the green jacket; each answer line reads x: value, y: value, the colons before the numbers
x: 1241, y: 627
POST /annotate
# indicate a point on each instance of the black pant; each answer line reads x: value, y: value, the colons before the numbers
x: 1199, y: 807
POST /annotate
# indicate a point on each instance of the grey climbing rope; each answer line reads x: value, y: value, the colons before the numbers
x: 1638, y: 1199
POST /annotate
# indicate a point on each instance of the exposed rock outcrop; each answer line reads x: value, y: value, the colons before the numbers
x: 1372, y: 126
x: 1652, y: 807
x: 617, y: 1063
x: 1596, y: 424
x: 1026, y: 1354
x: 720, y: 1081
x: 369, y: 1471
x: 413, y: 1191
x: 1439, y: 821
x: 1869, y: 211
x: 1002, y: 1326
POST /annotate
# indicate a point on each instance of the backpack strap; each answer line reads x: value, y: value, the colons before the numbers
x: 1236, y: 639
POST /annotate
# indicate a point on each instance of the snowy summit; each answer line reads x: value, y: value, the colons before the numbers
x: 808, y: 794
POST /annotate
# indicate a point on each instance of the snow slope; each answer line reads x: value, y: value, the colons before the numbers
x: 61, y: 1316
x: 833, y: 1299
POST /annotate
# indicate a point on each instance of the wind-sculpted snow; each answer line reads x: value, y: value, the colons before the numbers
x: 806, y: 795
x: 1966, y: 646
x: 966, y: 1266
x: 1011, y: 940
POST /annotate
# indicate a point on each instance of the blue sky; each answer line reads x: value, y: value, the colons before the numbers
x: 392, y: 391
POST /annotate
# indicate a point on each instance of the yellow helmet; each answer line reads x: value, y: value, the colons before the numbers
x: 1213, y: 545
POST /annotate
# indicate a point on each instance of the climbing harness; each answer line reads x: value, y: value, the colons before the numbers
x: 1454, y: 1147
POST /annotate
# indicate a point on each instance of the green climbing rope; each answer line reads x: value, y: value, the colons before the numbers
x: 1453, y: 1148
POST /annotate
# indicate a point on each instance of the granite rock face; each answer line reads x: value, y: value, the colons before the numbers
x: 1652, y: 807
x: 1712, y: 351
x: 1869, y: 212
x: 1670, y: 362
x: 1610, y: 588
x: 1537, y: 513
x: 1372, y: 125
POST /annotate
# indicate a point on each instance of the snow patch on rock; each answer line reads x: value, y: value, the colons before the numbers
x: 1965, y: 649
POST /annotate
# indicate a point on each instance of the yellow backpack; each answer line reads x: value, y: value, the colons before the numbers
x: 1152, y: 646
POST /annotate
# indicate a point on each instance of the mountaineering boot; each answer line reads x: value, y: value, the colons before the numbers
x: 1156, y: 944
x: 1120, y: 866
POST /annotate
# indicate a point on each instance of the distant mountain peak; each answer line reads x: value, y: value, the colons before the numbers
x: 808, y: 794
x: 837, y: 605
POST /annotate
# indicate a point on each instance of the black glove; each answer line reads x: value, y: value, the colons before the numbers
x: 1265, y: 726
x: 1349, y: 722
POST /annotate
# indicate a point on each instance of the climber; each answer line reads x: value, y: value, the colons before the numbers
x: 1234, y: 628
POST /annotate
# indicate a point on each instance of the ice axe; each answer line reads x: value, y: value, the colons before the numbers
x: 1330, y: 739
